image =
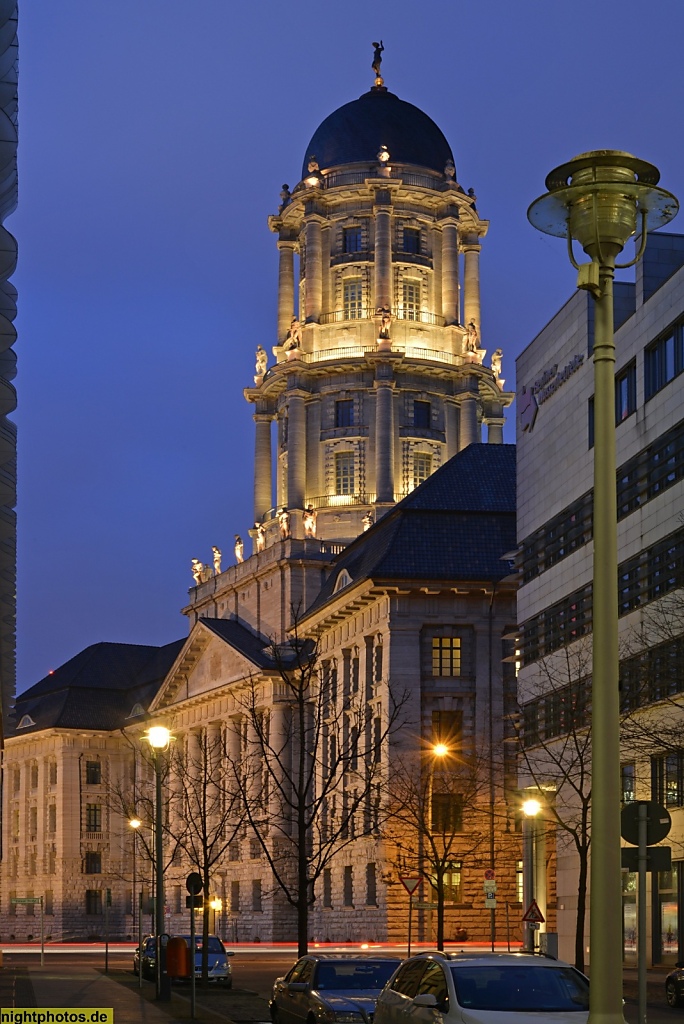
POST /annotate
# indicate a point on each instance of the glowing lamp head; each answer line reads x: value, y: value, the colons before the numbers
x: 158, y: 737
x: 135, y: 822
x: 531, y: 808
x: 383, y: 155
x: 440, y: 750
x: 216, y: 904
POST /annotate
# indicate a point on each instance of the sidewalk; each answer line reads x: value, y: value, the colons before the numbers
x: 76, y: 986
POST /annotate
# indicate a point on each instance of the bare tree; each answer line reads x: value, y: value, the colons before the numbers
x: 308, y: 760
x: 436, y: 817
x: 553, y: 737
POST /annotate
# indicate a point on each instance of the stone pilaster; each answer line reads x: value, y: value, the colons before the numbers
x: 450, y: 275
x: 471, y: 294
x: 313, y: 284
x: 451, y: 421
x: 469, y: 427
x: 313, y: 447
x: 263, y: 497
x: 296, y: 449
x: 436, y: 278
x: 383, y: 250
x: 286, y: 288
x: 384, y: 436
x: 495, y: 425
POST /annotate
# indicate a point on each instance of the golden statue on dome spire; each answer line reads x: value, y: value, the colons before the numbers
x: 377, y: 61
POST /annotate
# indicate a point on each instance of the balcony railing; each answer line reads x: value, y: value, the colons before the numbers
x: 420, y: 316
x: 346, y: 500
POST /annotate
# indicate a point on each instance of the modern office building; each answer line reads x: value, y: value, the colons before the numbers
x: 555, y: 471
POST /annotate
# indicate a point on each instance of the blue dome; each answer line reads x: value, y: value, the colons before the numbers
x: 355, y: 132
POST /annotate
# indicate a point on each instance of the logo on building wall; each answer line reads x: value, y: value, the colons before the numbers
x: 531, y: 398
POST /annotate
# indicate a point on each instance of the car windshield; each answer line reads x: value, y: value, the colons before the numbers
x: 521, y: 988
x: 346, y: 975
x: 215, y: 944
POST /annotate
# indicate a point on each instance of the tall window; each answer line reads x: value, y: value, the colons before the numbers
x: 351, y: 239
x: 34, y: 776
x: 663, y: 360
x: 348, y: 895
x: 667, y: 778
x: 52, y: 818
x: 371, y: 885
x: 327, y: 887
x: 93, y: 901
x: 344, y: 473
x: 344, y: 412
x: 628, y: 783
x: 422, y: 467
x: 52, y: 773
x: 447, y: 813
x: 446, y: 656
x: 93, y: 818
x: 93, y: 862
x: 625, y: 393
x: 33, y: 820
x: 451, y: 882
x: 235, y: 897
x: 352, y: 299
x: 447, y: 728
x: 93, y: 773
x: 256, y: 895
x: 411, y: 240
x: 410, y: 297
x: 421, y: 415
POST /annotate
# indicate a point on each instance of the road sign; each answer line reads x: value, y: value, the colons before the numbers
x: 658, y: 822
x: 490, y: 875
x: 25, y: 899
x: 489, y: 886
x: 194, y: 901
x: 490, y: 901
x: 410, y: 883
x: 533, y: 914
x: 193, y: 883
x: 659, y: 858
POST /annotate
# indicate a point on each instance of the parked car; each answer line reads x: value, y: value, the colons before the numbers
x: 674, y: 986
x: 218, y: 963
x: 487, y: 988
x: 331, y: 989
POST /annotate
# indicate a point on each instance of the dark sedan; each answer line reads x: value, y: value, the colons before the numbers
x: 331, y: 989
x: 674, y: 986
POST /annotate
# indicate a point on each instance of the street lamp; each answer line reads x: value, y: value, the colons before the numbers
x: 135, y: 824
x: 531, y: 809
x: 159, y: 738
x: 600, y: 199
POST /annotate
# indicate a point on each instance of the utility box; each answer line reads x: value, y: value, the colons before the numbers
x: 548, y: 943
x: 178, y: 963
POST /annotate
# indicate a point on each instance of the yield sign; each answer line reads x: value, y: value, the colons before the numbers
x: 533, y: 914
x: 410, y: 884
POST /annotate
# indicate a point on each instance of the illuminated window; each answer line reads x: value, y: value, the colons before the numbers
x: 422, y: 467
x: 352, y: 299
x: 410, y: 298
x: 446, y: 656
x: 344, y: 473
x: 451, y: 882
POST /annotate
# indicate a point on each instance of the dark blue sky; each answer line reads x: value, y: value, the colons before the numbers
x: 154, y: 138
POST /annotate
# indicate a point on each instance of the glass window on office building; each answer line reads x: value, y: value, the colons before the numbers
x: 663, y: 361
x: 344, y: 473
x: 352, y: 298
x: 628, y: 783
x: 625, y: 393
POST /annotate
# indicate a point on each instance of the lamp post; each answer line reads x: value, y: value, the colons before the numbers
x: 531, y: 809
x: 135, y: 824
x: 439, y: 751
x: 600, y: 199
x: 159, y: 737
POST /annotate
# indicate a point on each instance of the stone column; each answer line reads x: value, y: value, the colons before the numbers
x: 384, y: 437
x: 314, y: 448
x: 286, y: 288
x: 383, y: 249
x: 296, y: 449
x: 452, y: 427
x: 469, y: 427
x: 263, y: 497
x: 313, y: 283
x: 436, y: 244
x: 450, y: 276
x: 495, y: 425
x: 471, y: 296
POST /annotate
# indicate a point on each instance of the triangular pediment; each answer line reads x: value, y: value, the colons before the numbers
x: 217, y: 654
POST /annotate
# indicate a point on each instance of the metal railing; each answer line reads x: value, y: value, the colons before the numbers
x: 419, y: 316
x: 347, y: 500
x: 359, y: 178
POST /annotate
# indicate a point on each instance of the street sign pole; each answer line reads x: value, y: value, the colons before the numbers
x: 140, y: 937
x: 410, y: 884
x: 42, y: 932
x: 641, y: 923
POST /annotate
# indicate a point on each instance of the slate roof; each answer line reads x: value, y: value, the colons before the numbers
x: 241, y: 639
x: 97, y: 688
x: 455, y: 526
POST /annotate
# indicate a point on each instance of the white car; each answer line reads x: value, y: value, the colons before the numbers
x: 484, y: 988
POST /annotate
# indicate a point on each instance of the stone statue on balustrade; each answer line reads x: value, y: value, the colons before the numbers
x: 261, y: 361
x: 497, y: 357
x: 284, y: 523
x: 239, y: 549
x: 196, y: 569
x: 367, y: 521
x: 294, y: 339
x: 260, y: 536
x: 217, y: 560
x: 309, y: 521
x: 385, y: 314
x: 472, y: 338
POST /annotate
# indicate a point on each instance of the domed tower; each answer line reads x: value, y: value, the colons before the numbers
x: 379, y: 373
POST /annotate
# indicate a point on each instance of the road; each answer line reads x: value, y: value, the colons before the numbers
x: 253, y: 974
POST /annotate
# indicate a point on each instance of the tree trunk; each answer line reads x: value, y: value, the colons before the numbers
x: 581, y: 907
x: 205, y: 929
x: 440, y: 907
